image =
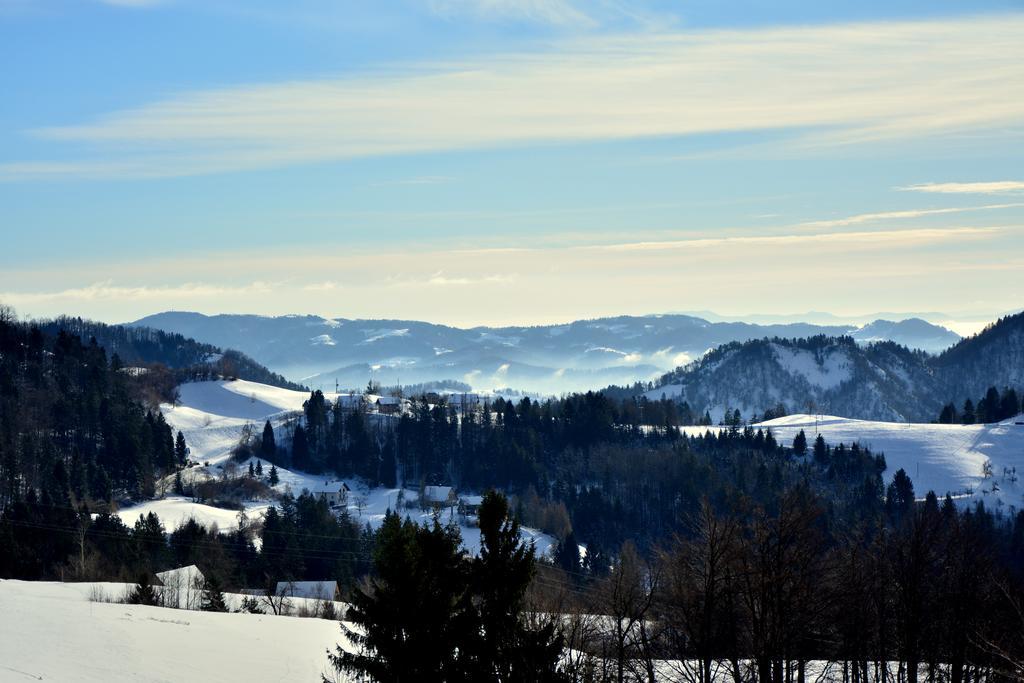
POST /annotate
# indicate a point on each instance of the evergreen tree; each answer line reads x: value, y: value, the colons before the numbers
x: 568, y: 554
x: 300, y: 450
x: 508, y: 651
x: 179, y: 485
x: 272, y: 478
x: 143, y: 593
x: 899, y: 497
x: 180, y: 450
x: 252, y: 470
x: 820, y: 450
x: 417, y: 621
x: 967, y: 416
x: 213, y: 595
x: 268, y: 445
x: 259, y: 469
x: 800, y: 443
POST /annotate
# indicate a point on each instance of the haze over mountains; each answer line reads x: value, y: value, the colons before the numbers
x: 584, y: 354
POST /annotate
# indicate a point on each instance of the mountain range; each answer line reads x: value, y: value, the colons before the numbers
x: 580, y: 355
x: 880, y: 380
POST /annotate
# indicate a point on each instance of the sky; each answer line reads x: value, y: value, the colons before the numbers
x: 511, y: 161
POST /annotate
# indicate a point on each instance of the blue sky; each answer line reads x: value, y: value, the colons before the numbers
x: 510, y: 161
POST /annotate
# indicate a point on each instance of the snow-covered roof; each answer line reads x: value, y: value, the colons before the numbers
x: 472, y: 500
x: 437, y: 494
x: 182, y: 587
x: 183, y: 574
x: 316, y: 590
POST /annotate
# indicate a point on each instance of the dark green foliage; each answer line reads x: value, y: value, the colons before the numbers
x: 418, y: 610
x: 213, y: 595
x: 431, y: 613
x: 268, y: 445
x: 800, y: 443
x: 144, y: 593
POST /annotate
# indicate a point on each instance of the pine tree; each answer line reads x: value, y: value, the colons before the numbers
x: 272, y: 478
x: 800, y: 443
x: 268, y: 445
x: 967, y: 417
x: 179, y: 485
x: 508, y: 651
x: 252, y: 470
x: 180, y: 450
x: 143, y: 593
x: 899, y: 496
x: 300, y: 449
x: 416, y: 621
x: 259, y: 469
x: 213, y: 596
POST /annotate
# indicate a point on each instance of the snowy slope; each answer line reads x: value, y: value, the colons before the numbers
x: 213, y: 415
x: 111, y: 643
x: 942, y: 458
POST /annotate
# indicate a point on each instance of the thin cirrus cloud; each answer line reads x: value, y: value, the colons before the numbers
x: 555, y: 12
x: 990, y: 187
x: 902, y: 215
x: 862, y: 83
x: 871, y: 262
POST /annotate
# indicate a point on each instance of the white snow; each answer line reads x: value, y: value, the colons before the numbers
x: 377, y: 335
x: 174, y: 511
x: 827, y: 373
x: 941, y: 458
x: 213, y: 415
x: 323, y: 340
x: 52, y: 632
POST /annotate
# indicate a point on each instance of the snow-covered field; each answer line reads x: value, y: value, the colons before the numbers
x: 941, y: 458
x: 213, y: 415
x: 52, y: 632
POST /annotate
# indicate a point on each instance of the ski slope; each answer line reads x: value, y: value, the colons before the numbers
x: 938, y: 457
x: 52, y: 632
x: 213, y: 415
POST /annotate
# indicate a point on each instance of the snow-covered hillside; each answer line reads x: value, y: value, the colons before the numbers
x: 52, y: 632
x: 941, y: 458
x: 213, y: 417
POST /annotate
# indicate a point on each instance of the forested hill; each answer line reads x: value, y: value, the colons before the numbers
x: 143, y: 346
x: 993, y: 357
x: 835, y: 375
x: 73, y: 423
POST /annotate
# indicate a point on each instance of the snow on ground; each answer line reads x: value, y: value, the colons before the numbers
x: 213, y: 415
x: 52, y: 632
x: 176, y: 510
x: 829, y: 373
x: 942, y: 458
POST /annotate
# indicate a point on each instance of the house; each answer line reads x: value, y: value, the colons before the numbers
x: 464, y: 402
x: 469, y: 506
x: 350, y: 403
x: 335, y: 497
x: 182, y: 588
x: 312, y: 590
x: 439, y: 496
x: 389, y: 405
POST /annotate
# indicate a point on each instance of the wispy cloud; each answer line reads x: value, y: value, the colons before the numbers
x: 857, y: 270
x: 557, y: 12
x: 902, y: 215
x: 867, y: 82
x: 871, y: 238
x: 989, y: 187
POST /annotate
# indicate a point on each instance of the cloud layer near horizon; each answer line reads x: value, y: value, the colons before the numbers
x: 835, y: 271
x: 839, y: 84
